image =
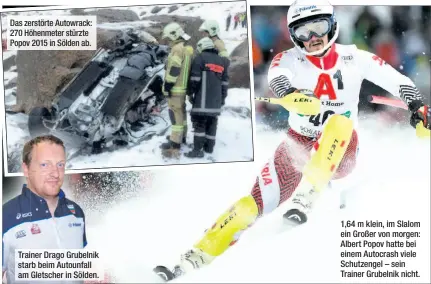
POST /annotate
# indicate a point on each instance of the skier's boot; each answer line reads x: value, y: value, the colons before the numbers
x: 301, y: 206
x: 191, y: 260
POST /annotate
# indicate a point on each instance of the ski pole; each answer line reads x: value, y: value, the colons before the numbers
x: 295, y: 102
x: 421, y: 131
x: 387, y: 101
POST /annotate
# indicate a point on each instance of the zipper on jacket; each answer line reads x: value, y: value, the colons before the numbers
x: 57, y: 234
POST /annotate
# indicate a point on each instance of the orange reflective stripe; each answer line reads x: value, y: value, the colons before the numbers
x: 215, y: 68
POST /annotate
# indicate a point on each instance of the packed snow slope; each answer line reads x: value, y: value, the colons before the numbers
x: 392, y: 182
x: 234, y: 136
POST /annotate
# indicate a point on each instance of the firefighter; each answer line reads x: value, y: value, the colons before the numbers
x: 175, y: 86
x: 210, y: 28
x: 207, y: 90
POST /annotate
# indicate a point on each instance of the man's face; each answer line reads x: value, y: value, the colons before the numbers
x: 45, y: 173
x: 316, y: 43
x: 205, y: 34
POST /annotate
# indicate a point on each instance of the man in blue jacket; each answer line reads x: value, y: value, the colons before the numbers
x: 41, y: 217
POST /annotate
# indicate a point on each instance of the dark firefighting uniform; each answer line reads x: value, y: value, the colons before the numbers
x: 208, y: 90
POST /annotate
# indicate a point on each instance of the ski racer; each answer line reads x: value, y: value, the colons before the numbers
x: 321, y: 148
x: 211, y: 29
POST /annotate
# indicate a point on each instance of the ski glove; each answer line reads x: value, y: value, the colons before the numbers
x: 289, y: 91
x: 420, y: 113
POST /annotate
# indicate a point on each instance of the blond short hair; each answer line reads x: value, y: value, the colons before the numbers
x: 28, y: 147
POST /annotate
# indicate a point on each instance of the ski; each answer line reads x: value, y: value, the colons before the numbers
x: 164, y: 273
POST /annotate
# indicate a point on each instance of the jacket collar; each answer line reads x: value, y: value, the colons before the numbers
x: 328, y: 61
x: 31, y: 195
x: 175, y: 42
x: 212, y: 50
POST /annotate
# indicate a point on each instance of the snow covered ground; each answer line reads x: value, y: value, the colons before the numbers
x: 392, y: 183
x: 233, y: 143
x: 234, y: 137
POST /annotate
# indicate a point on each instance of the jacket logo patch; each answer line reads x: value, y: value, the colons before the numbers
x: 74, y: 225
x: 20, y: 234
x: 35, y: 229
x: 24, y: 215
x: 214, y: 68
x: 71, y: 208
x: 302, y: 9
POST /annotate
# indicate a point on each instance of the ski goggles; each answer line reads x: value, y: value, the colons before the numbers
x: 305, y: 31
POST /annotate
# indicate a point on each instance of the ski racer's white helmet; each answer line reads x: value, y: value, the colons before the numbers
x: 174, y: 31
x: 312, y: 17
x: 210, y: 26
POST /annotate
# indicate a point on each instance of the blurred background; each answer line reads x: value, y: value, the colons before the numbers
x: 400, y: 35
